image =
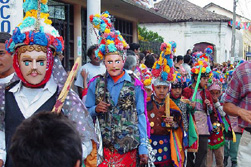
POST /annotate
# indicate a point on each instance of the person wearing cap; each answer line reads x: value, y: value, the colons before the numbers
x: 35, y: 45
x: 204, y: 113
x: 166, y: 129
x: 117, y: 100
x: 216, y: 139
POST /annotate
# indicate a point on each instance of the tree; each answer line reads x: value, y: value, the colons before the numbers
x: 150, y: 36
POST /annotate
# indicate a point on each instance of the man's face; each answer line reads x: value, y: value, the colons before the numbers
x: 33, y: 66
x: 176, y: 92
x: 5, y: 62
x: 94, y: 59
x: 161, y: 91
x: 114, y: 64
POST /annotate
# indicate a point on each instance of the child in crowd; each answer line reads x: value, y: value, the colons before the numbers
x: 216, y: 139
x: 204, y: 114
x: 164, y: 116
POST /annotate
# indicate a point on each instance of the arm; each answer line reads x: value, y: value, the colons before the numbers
x: 90, y: 99
x: 141, y: 120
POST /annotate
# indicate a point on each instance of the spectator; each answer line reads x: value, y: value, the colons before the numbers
x: 187, y: 67
x: 189, y: 52
x: 6, y: 68
x: 46, y: 139
x: 142, y: 58
x: 93, y: 68
x: 130, y: 63
x: 149, y: 61
x: 237, y: 103
x: 134, y: 47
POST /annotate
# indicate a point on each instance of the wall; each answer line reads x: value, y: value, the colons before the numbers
x: 190, y: 33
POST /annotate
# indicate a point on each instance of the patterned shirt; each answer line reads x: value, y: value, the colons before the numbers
x: 239, y: 89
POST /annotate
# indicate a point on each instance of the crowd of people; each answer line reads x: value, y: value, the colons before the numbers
x: 132, y: 107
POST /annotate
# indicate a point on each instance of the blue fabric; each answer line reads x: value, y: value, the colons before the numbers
x: 114, y: 90
x: 161, y: 146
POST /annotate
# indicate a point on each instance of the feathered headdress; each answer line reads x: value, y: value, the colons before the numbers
x: 110, y: 40
x: 163, y: 69
x: 146, y: 76
x: 36, y: 28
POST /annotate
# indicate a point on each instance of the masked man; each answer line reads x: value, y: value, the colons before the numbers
x: 35, y: 45
x: 117, y: 99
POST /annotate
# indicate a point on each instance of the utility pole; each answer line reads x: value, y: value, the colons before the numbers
x: 233, y: 32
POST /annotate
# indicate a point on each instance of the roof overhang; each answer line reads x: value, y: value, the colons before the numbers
x: 131, y: 10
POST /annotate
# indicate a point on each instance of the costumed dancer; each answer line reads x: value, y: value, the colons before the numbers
x: 35, y: 46
x: 216, y: 139
x: 146, y: 79
x: 117, y: 99
x: 205, y: 112
x: 164, y: 115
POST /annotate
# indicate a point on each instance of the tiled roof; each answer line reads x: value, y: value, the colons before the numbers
x: 183, y: 10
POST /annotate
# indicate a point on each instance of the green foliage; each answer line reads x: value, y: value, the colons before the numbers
x: 150, y: 36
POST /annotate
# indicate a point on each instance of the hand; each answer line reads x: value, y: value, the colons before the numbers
x: 1, y: 163
x: 102, y: 107
x: 207, y: 102
x: 192, y: 104
x: 215, y: 99
x: 143, y: 159
x: 168, y: 120
x: 245, y: 115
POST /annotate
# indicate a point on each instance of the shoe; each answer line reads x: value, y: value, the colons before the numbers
x: 234, y: 164
x: 225, y: 161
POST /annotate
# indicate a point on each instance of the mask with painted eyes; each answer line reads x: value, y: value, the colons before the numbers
x: 114, y: 64
x: 33, y: 65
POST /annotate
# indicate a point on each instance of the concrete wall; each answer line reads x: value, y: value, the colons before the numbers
x: 223, y: 12
x: 186, y: 35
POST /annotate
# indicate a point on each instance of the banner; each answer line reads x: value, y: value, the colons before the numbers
x: 241, y: 25
x: 11, y: 14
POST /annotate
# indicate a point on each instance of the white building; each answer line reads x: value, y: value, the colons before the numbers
x: 193, y: 27
x: 243, y: 37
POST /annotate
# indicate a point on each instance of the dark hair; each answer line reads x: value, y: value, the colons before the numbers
x: 130, y: 53
x: 149, y: 61
x: 134, y: 46
x: 90, y: 50
x: 174, y: 58
x: 187, y: 59
x: 46, y: 139
x: 141, y: 56
x: 4, y: 36
x: 189, y: 50
x: 179, y: 58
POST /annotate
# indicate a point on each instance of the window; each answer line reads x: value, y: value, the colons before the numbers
x: 126, y: 29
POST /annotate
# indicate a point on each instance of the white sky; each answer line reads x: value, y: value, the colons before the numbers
x: 243, y: 6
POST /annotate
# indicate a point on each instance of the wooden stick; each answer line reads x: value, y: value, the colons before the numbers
x: 67, y: 86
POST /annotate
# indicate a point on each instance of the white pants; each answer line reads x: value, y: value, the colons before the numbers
x: 244, y: 152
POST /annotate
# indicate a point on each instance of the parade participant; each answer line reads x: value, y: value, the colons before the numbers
x: 204, y: 114
x: 216, y: 139
x: 117, y: 99
x: 43, y: 141
x: 164, y: 115
x: 35, y: 45
x: 92, y: 69
x: 184, y: 104
x: 146, y: 79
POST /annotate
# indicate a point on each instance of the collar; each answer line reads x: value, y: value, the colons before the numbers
x: 50, y: 86
x: 125, y: 77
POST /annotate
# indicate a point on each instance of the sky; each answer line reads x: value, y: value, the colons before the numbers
x: 242, y: 5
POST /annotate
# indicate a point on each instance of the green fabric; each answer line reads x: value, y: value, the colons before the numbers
x: 215, y: 147
x: 226, y: 125
x: 232, y: 149
x: 192, y: 135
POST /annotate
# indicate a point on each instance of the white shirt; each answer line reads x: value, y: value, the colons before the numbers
x: 92, y: 72
x: 31, y: 99
x: 6, y: 79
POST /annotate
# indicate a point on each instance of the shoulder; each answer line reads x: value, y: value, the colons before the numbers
x: 149, y: 105
x: 187, y: 92
x: 11, y: 85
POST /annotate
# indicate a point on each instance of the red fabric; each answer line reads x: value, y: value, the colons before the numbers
x: 84, y: 92
x: 119, y: 160
x: 116, y: 78
x: 49, y: 65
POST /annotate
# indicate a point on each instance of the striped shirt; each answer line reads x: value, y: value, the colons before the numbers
x: 239, y: 90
